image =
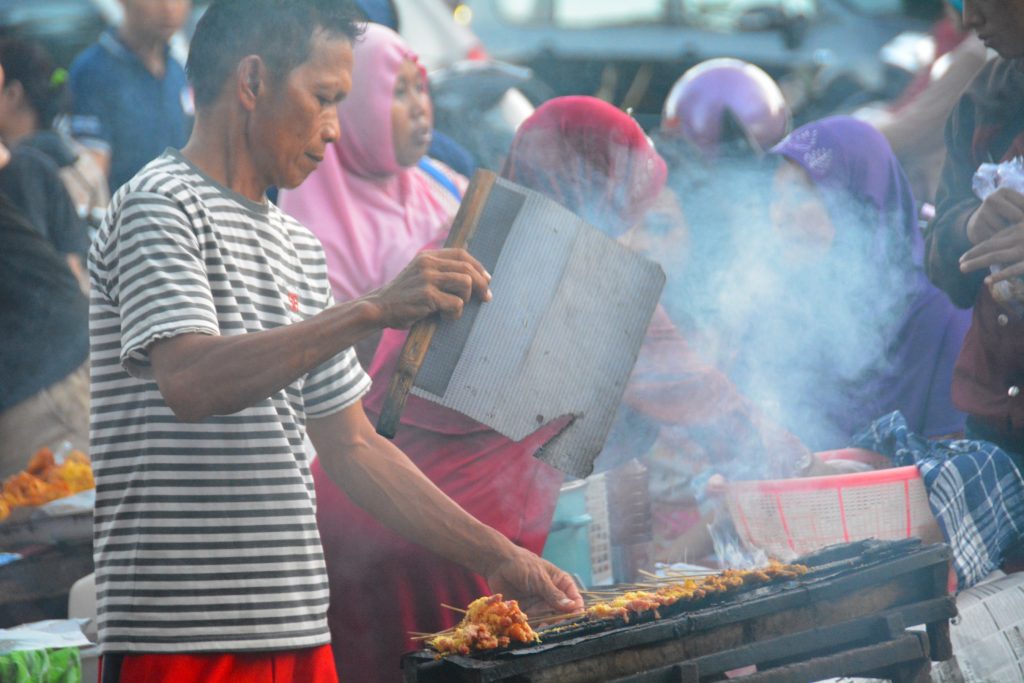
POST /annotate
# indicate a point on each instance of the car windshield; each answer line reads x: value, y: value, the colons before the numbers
x: 726, y: 15
x: 715, y: 15
x: 594, y: 13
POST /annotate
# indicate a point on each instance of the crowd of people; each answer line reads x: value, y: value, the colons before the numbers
x: 211, y: 268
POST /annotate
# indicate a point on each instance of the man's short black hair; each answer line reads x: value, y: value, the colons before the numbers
x: 278, y: 31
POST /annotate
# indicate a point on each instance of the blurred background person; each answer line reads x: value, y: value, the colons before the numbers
x: 834, y: 320
x: 969, y: 236
x: 131, y: 99
x: 43, y: 359
x: 30, y: 181
x: 377, y: 199
x: 34, y: 96
x: 915, y: 122
x: 442, y: 147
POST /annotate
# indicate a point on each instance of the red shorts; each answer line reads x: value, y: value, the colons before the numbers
x: 311, y: 665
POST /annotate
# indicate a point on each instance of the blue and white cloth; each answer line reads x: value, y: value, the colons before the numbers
x: 974, y: 489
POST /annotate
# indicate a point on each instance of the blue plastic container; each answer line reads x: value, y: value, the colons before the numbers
x: 568, y: 545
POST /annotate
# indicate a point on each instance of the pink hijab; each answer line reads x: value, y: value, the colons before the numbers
x: 371, y: 214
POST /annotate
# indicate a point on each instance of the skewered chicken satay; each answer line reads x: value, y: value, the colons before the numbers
x: 490, y: 623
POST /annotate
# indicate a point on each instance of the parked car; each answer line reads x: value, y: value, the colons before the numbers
x: 825, y: 53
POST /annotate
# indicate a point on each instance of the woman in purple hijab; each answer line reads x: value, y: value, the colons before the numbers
x: 847, y: 327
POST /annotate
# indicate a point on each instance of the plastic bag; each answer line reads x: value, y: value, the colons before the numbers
x: 987, y: 179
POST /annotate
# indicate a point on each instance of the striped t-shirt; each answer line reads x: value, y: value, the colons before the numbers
x: 205, y: 533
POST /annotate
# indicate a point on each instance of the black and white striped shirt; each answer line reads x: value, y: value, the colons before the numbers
x: 205, y: 533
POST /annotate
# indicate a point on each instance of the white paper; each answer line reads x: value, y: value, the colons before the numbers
x: 43, y: 635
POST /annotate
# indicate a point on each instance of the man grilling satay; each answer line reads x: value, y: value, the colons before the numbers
x: 216, y: 348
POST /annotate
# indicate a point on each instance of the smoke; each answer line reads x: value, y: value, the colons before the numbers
x: 802, y: 330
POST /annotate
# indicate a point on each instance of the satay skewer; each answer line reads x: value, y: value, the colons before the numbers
x: 453, y: 608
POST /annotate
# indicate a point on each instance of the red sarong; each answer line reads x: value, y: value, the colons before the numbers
x: 310, y: 665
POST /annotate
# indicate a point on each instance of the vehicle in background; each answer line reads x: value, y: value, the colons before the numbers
x: 826, y: 54
x: 430, y: 29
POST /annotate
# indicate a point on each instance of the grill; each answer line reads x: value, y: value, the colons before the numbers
x: 847, y: 616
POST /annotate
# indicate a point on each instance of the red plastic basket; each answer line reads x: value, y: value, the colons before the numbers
x: 790, y: 517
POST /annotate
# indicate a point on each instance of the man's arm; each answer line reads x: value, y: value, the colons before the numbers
x: 201, y: 375
x: 383, y: 481
x: 946, y: 239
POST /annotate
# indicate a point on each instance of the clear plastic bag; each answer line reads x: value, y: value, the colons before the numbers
x: 987, y: 179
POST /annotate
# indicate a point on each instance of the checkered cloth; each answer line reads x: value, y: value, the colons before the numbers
x: 974, y: 490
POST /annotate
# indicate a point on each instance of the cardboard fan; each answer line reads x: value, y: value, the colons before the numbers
x: 558, y: 341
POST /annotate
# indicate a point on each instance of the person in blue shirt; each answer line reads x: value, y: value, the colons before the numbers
x: 131, y: 99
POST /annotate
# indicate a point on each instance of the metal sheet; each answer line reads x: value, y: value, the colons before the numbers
x: 571, y: 308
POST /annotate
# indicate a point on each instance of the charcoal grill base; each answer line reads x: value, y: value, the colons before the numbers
x: 847, y: 616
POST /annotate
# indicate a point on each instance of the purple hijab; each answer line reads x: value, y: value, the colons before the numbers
x: 852, y: 164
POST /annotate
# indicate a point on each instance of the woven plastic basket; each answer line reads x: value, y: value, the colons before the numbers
x: 790, y: 517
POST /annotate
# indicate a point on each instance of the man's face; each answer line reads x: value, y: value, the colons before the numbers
x: 155, y: 20
x: 298, y: 116
x: 998, y: 23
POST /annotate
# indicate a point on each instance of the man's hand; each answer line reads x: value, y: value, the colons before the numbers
x: 435, y: 281
x: 1005, y: 249
x: 1001, y: 209
x: 539, y: 586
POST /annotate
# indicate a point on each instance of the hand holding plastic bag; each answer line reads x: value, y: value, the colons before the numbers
x: 988, y: 179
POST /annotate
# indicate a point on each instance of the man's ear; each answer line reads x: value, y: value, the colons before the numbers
x: 251, y: 80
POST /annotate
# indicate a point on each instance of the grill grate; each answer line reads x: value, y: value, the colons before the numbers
x: 852, y: 594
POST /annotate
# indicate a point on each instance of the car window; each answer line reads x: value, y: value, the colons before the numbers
x: 735, y: 15
x: 519, y: 11
x: 597, y: 13
x: 876, y: 8
x: 583, y: 13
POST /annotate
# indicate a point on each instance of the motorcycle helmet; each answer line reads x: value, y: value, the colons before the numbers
x: 724, y: 101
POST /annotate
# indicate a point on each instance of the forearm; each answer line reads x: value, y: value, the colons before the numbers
x: 202, y: 375
x: 384, y: 482
x: 946, y: 242
x: 946, y: 238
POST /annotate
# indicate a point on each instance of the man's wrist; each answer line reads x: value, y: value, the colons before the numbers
x: 493, y: 551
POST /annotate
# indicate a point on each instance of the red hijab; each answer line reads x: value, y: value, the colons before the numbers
x: 592, y: 158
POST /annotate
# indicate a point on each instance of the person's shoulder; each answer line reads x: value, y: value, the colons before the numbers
x: 90, y: 62
x: 176, y: 69
x: 299, y: 234
x: 451, y: 173
x: 440, y: 188
x: 999, y: 78
x: 166, y: 177
x: 28, y: 159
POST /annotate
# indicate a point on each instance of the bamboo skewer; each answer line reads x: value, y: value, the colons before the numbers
x: 555, y: 618
x: 453, y: 608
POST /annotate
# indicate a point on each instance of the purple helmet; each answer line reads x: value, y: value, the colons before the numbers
x: 722, y: 99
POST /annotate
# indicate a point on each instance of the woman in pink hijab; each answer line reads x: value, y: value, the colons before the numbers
x: 376, y: 200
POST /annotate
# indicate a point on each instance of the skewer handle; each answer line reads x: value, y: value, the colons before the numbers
x: 416, y: 344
